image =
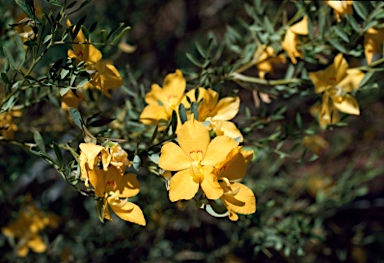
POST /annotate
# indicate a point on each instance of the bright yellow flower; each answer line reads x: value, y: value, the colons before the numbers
x: 194, y: 159
x: 25, y: 229
x: 291, y: 38
x: 265, y: 57
x: 104, y: 75
x: 7, y: 127
x: 373, y: 42
x: 216, y: 112
x: 162, y: 101
x: 341, y: 8
x: 237, y: 197
x: 115, y: 190
x: 336, y: 83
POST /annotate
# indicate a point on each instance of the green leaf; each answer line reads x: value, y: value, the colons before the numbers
x: 81, y: 6
x: 299, y: 121
x: 120, y: 35
x: 64, y: 91
x: 182, y: 113
x: 39, y: 141
x: 194, y: 60
x: 360, y: 9
x: 76, y: 117
x: 100, y: 208
x: 78, y: 26
x: 9, y: 56
x: 136, y: 162
x: 337, y: 45
x: 28, y: 8
x: 194, y: 110
x: 341, y: 33
x: 200, y: 49
x: 59, y: 154
x: 174, y: 121
x: 4, y: 76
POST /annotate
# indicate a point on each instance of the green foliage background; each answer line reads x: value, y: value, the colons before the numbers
x: 342, y: 222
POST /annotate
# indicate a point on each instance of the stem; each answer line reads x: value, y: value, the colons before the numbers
x: 237, y: 76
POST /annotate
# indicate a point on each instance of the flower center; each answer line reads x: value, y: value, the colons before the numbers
x: 196, y: 167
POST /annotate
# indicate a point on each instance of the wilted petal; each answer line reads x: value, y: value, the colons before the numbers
x: 348, y: 105
x: 91, y: 151
x: 182, y: 186
x: 173, y: 158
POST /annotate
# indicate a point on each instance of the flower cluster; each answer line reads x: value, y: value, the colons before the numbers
x: 23, y: 234
x: 104, y: 168
x: 217, y: 113
x: 214, y: 166
x: 336, y: 83
x: 104, y: 75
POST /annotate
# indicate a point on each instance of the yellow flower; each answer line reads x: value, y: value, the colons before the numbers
x: 265, y: 57
x: 71, y: 99
x: 291, y: 38
x: 25, y: 229
x: 115, y: 190
x: 237, y: 197
x: 373, y: 42
x: 162, y: 101
x: 7, y: 126
x: 104, y: 75
x: 89, y: 157
x: 341, y: 8
x: 194, y: 159
x: 315, y: 143
x: 91, y: 154
x: 336, y: 83
x: 216, y: 112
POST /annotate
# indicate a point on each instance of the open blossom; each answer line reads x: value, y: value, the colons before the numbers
x: 163, y: 100
x: 104, y: 75
x: 91, y: 155
x: 237, y: 197
x: 193, y: 160
x: 335, y: 83
x: 115, y: 190
x: 25, y: 230
x: 373, y: 42
x: 216, y: 112
x: 341, y: 8
x: 291, y: 38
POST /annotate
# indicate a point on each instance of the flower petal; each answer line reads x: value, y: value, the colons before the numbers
x: 91, y: 151
x: 182, y: 186
x: 128, y: 186
x: 348, y: 105
x: 229, y: 129
x: 193, y: 136
x: 301, y: 27
x: 152, y: 114
x: 175, y: 84
x: 210, y: 185
x: 97, y: 180
x: 218, y: 150
x: 243, y: 202
x: 234, y: 167
x: 173, y: 158
x: 130, y: 212
x: 226, y: 109
x: 37, y: 244
x: 352, y: 81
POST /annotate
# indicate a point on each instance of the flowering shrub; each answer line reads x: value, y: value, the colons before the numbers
x: 268, y: 121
